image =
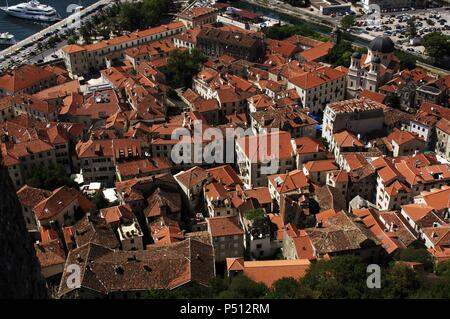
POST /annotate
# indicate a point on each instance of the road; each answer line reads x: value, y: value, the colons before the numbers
x: 361, y: 38
x: 301, y: 13
x: 27, y: 50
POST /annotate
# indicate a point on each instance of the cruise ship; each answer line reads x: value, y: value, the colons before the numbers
x: 7, y: 38
x: 32, y: 10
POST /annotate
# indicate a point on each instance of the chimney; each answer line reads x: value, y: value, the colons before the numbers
x: 391, y: 227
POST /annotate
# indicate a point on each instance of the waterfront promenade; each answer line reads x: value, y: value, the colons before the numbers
x: 27, y: 49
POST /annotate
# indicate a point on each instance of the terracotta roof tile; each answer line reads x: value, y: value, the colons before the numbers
x: 159, y: 267
x: 277, y: 144
x: 224, y: 226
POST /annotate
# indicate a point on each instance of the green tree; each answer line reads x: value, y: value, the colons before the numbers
x: 242, y: 287
x: 443, y: 269
x: 160, y: 294
x: 155, y: 9
x: 131, y: 16
x: 407, y: 61
x: 183, y: 65
x: 53, y: 41
x: 411, y: 27
x: 437, y: 45
x: 289, y: 288
x: 348, y: 21
x: 340, y: 277
x: 400, y: 282
x: 100, y: 201
x: 188, y: 291
x: 255, y: 214
x: 340, y: 54
x: 278, y: 32
x: 71, y: 40
x: 420, y: 255
x: 86, y: 34
x: 105, y: 33
x: 49, y: 178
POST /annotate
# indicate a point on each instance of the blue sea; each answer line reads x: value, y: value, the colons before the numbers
x: 24, y: 28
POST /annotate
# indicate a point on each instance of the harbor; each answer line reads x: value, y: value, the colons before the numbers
x: 23, y: 28
x: 27, y: 50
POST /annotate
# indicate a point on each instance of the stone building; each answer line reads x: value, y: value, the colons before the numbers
x: 217, y: 42
x: 372, y: 70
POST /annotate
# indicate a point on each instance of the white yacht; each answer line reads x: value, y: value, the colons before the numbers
x: 32, y: 10
x: 7, y: 38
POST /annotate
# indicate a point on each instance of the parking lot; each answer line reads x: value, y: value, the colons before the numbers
x: 395, y: 25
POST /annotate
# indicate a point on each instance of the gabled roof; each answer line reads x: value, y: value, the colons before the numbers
x: 293, y: 180
x: 108, y: 148
x: 444, y: 125
x: 320, y: 166
x: 162, y: 201
x: 258, y: 148
x: 159, y: 267
x: 192, y: 176
x: 308, y: 145
x: 58, y: 201
x: 346, y: 139
x: 226, y: 175
x: 115, y: 213
x: 329, y: 197
x: 317, y: 51
x: 31, y: 196
x: 125, y: 38
x: 23, y: 77
x: 417, y: 211
x: 94, y: 230
x: 439, y: 236
x: 143, y: 166
x: 438, y: 199
x: 339, y: 234
x: 224, y: 226
x: 402, y: 137
x: 317, y: 77
x: 374, y: 96
x: 269, y: 271
x: 166, y: 231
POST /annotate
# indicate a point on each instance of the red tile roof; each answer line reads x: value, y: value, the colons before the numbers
x: 143, y: 166
x: 196, y: 12
x: 224, y: 226
x: 319, y: 76
x: 30, y: 196
x: 320, y: 166
x: 317, y: 51
x: 374, y: 96
x: 116, y: 148
x: 269, y: 271
x: 24, y: 77
x: 346, y: 139
x: 60, y: 199
x: 226, y: 175
x: 261, y: 147
x: 192, y: 176
x: 292, y: 181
